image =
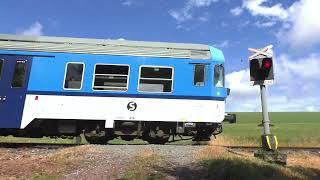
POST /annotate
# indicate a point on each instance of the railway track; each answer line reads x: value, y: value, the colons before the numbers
x: 194, y: 143
x: 285, y: 149
x: 35, y: 145
x: 55, y: 146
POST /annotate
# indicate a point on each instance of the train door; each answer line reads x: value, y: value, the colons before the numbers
x: 14, y: 75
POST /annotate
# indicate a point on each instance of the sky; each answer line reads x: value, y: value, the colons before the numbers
x: 292, y: 27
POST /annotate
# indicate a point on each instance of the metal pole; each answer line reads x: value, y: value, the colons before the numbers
x: 266, y: 121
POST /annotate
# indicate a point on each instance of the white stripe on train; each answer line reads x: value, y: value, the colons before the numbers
x: 117, y: 108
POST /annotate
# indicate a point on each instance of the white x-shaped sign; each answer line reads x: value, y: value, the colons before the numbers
x: 266, y: 51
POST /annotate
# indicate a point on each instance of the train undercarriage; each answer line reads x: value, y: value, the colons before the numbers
x: 95, y: 133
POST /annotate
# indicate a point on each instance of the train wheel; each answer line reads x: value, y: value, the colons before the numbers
x: 202, y: 137
x: 78, y: 139
x: 158, y: 140
x: 157, y: 134
x: 97, y: 137
x: 128, y: 137
x: 97, y: 140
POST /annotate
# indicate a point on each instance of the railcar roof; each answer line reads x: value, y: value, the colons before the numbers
x: 104, y: 46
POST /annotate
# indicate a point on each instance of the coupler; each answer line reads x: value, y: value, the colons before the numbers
x: 269, y: 150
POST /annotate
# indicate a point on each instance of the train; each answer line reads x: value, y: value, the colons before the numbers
x: 106, y: 89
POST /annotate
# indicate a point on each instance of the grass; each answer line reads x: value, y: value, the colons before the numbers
x: 291, y: 128
x: 239, y: 168
x: 219, y: 163
x: 62, y: 160
x: 11, y: 139
x: 28, y: 164
x: 222, y: 164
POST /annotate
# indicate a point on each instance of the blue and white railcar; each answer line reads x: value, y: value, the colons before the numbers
x: 51, y: 86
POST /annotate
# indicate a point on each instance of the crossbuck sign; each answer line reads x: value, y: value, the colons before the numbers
x: 261, y: 66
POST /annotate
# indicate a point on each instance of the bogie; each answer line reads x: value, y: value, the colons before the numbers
x: 95, y: 132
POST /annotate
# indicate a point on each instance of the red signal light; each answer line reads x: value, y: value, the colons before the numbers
x: 267, y: 63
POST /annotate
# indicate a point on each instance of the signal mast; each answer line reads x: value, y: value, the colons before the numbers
x: 261, y: 73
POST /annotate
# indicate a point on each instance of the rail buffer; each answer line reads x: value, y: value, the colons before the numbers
x: 261, y: 73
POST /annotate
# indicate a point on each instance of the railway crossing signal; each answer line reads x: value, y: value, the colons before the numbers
x: 261, y: 66
x: 261, y: 73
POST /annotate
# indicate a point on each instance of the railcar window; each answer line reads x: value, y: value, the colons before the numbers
x: 219, y: 75
x: 111, y: 77
x: 198, y: 79
x: 74, y: 76
x: 1, y: 64
x: 19, y: 74
x: 155, y: 79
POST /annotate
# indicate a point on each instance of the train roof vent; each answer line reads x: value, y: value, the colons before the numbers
x: 196, y: 54
x: 110, y: 47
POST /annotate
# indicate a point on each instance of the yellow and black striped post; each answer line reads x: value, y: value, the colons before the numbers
x: 269, y: 142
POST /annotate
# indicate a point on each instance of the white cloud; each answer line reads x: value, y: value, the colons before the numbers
x: 222, y: 44
x: 293, y: 104
x: 243, y: 97
x: 300, y: 21
x: 305, y: 20
x: 201, y: 3
x: 186, y: 12
x: 127, y: 2
x: 224, y: 24
x: 203, y: 19
x: 244, y: 24
x: 36, y: 29
x: 239, y: 83
x: 305, y: 68
x: 180, y: 15
x: 295, y: 87
x: 312, y: 108
x: 236, y: 11
x: 265, y: 24
x: 256, y: 8
x: 185, y: 28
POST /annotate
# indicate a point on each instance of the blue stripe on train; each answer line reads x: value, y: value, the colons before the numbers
x: 48, y: 71
x: 126, y: 95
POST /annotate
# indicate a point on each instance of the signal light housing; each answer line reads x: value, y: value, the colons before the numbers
x: 261, y: 71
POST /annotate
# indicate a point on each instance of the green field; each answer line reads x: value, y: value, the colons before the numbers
x: 291, y: 128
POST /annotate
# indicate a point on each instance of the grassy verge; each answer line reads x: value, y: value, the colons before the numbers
x: 62, y: 161
x: 221, y: 164
x: 11, y: 139
x: 27, y: 164
x: 291, y: 128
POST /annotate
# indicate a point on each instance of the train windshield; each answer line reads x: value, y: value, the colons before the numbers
x: 219, y: 75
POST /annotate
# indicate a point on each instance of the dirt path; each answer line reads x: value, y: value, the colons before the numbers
x: 153, y: 161
x: 115, y: 161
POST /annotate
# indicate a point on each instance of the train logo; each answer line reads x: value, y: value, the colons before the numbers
x: 132, y: 106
